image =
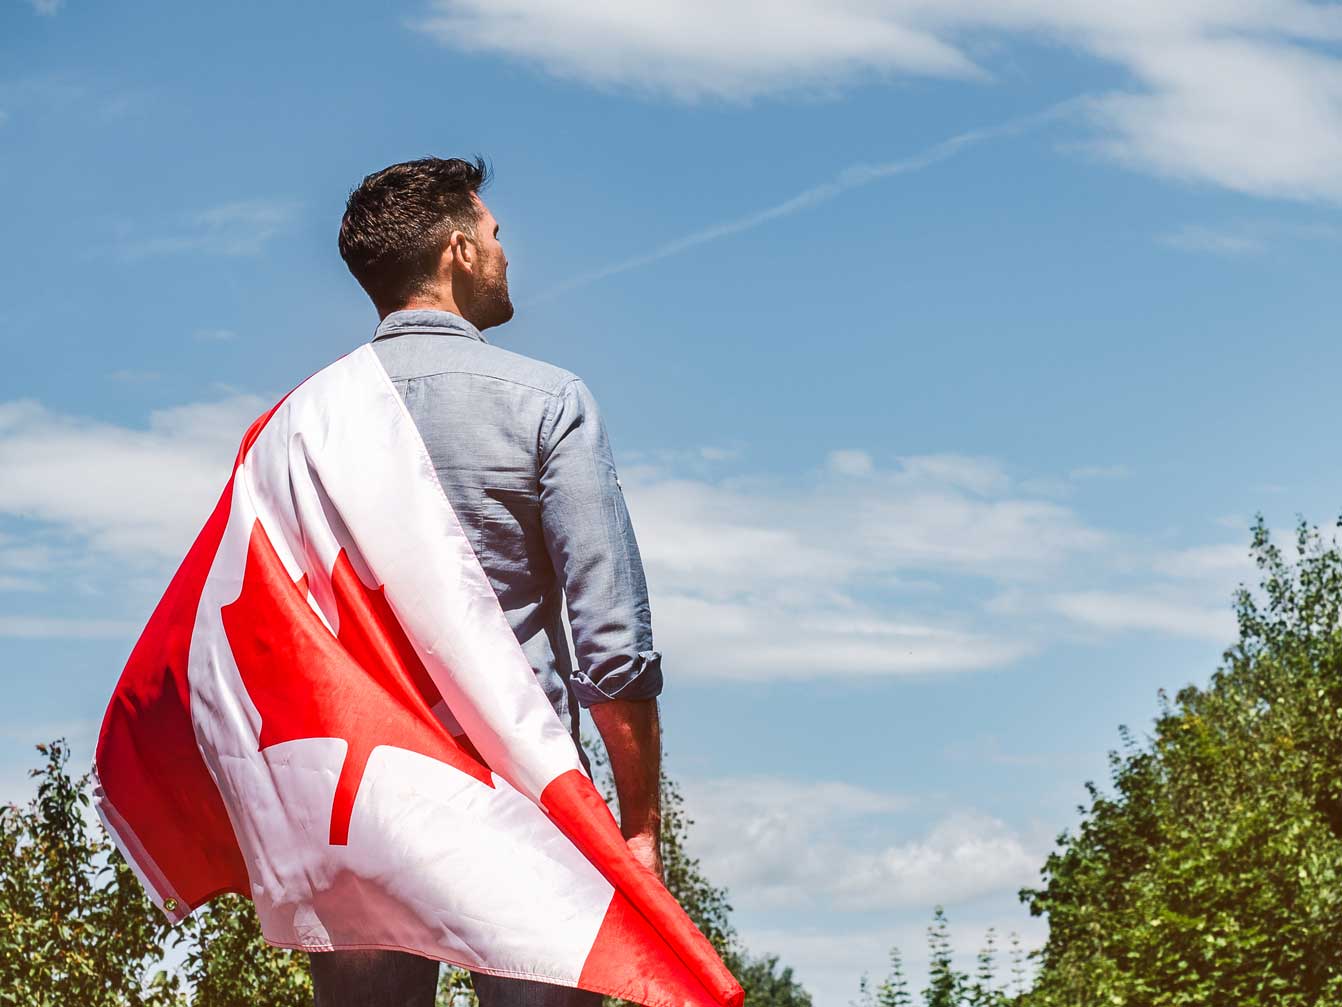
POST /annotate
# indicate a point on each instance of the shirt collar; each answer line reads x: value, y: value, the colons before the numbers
x: 428, y: 321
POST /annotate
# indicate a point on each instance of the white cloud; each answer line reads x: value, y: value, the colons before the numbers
x: 142, y: 492
x: 22, y: 563
x: 941, y: 513
x: 214, y: 335
x: 1257, y: 113
x: 849, y: 462
x: 1085, y: 473
x: 1193, y: 238
x: 33, y: 627
x: 760, y: 578
x: 46, y: 7
x: 824, y: 846
x: 980, y: 476
x: 77, y: 732
x: 840, y: 863
x: 935, y: 564
x: 243, y: 227
x: 698, y: 48
x: 1248, y: 237
x: 81, y: 101
x: 130, y: 376
x: 1223, y: 566
x: 1244, y: 95
x: 832, y: 574
x: 769, y: 640
x: 1153, y: 610
x: 709, y: 453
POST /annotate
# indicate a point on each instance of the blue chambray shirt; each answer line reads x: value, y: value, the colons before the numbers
x: 524, y: 458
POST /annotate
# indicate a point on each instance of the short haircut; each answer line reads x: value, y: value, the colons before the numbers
x: 397, y: 223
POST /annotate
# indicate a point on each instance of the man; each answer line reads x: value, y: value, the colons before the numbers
x: 523, y: 456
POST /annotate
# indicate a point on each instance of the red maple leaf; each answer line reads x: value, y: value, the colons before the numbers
x: 366, y: 685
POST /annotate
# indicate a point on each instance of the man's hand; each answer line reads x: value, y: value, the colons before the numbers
x: 647, y: 850
x: 632, y: 734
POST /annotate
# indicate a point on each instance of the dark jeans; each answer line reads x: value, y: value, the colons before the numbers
x: 400, y: 979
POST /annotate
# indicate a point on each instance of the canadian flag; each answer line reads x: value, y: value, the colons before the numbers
x: 329, y: 713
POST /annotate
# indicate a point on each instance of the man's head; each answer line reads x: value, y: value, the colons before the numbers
x: 418, y: 235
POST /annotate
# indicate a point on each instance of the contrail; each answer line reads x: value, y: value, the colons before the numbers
x: 852, y: 177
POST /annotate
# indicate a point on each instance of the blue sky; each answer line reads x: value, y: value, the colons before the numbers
x: 946, y: 356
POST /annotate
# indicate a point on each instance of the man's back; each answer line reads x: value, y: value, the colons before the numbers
x: 522, y: 455
x: 524, y: 459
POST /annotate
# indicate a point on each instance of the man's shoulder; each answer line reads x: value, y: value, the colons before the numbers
x: 411, y: 356
x: 513, y: 366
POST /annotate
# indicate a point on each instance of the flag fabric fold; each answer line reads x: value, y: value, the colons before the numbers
x: 329, y: 713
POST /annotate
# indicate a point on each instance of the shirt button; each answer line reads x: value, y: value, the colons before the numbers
x: 170, y: 905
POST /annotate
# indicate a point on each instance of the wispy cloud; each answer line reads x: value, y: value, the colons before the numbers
x: 784, y: 843
x: 1247, y: 237
x: 1085, y: 473
x: 853, y: 177
x: 214, y: 335
x: 80, y: 101
x: 33, y: 627
x: 931, y: 565
x: 239, y: 228
x: 1194, y: 238
x: 73, y: 730
x: 131, y: 376
x: 127, y: 491
x: 1246, y: 96
x: 850, y: 462
x: 1158, y: 610
x: 859, y: 567
x: 46, y: 7
x: 700, y: 48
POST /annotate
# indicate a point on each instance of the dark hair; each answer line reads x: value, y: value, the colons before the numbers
x: 398, y: 220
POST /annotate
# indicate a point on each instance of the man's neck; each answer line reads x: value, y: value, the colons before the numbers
x: 437, y: 302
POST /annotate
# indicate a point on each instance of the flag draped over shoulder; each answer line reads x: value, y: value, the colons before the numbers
x: 329, y: 714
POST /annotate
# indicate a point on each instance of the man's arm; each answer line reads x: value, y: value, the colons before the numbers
x: 632, y: 734
x: 592, y: 546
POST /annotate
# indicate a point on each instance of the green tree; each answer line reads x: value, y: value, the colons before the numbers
x: 893, y: 990
x: 766, y: 984
x: 75, y: 927
x: 947, y: 986
x: 983, y: 991
x: 229, y: 964
x: 455, y: 989
x: 1211, y: 872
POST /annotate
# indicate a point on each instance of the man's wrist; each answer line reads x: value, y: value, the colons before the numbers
x: 649, y: 827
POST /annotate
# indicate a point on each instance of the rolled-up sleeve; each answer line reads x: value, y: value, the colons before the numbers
x: 591, y: 543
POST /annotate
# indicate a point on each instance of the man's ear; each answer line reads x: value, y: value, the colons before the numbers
x: 460, y: 253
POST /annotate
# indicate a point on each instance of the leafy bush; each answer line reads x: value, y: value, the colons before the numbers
x: 1213, y: 872
x: 946, y: 985
x: 76, y: 927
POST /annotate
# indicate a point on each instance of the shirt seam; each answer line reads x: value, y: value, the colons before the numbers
x: 540, y: 434
x: 484, y: 374
x: 545, y: 416
x: 420, y: 330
